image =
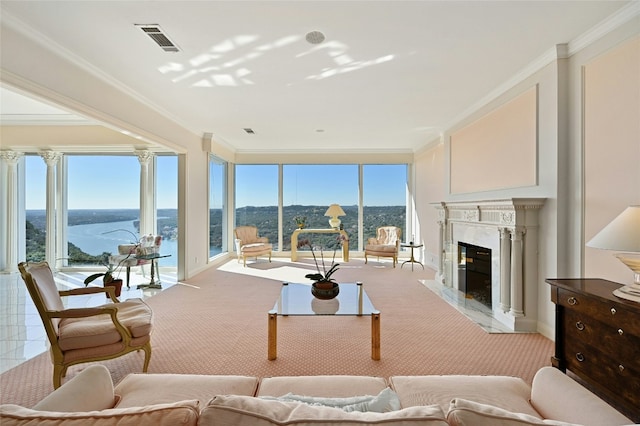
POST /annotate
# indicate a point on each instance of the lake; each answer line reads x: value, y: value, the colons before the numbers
x: 97, y: 238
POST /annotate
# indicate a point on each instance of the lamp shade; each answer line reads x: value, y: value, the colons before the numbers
x: 335, y: 210
x: 622, y: 234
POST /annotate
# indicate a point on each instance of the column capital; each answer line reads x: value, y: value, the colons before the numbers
x: 11, y: 157
x: 51, y: 157
x: 144, y: 156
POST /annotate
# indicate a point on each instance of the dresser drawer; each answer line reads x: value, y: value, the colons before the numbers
x: 603, y: 371
x: 607, y: 312
x: 622, y: 347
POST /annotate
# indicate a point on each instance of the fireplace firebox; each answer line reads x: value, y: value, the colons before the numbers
x: 474, y: 272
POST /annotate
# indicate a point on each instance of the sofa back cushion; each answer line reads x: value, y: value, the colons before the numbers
x: 137, y: 389
x: 330, y: 386
x: 235, y: 410
x: 183, y: 413
x: 510, y: 393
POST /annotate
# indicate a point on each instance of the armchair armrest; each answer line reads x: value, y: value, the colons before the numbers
x: 111, y: 292
x: 372, y: 240
x: 262, y: 240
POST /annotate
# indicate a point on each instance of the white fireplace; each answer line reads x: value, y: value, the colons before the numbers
x: 509, y: 228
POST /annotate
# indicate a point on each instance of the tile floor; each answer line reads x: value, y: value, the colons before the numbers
x: 22, y: 334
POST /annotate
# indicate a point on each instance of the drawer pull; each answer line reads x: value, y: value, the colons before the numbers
x: 580, y: 356
x: 613, y: 311
x: 621, y: 368
x: 580, y: 325
x: 620, y: 331
x: 572, y: 301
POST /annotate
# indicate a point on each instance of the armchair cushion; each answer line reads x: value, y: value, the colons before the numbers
x: 98, y: 330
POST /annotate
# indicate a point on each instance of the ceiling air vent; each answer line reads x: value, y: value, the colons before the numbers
x: 249, y: 130
x: 157, y: 35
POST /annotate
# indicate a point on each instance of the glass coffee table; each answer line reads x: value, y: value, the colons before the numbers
x: 297, y: 300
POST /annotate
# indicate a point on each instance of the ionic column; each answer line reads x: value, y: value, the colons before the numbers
x: 441, y: 225
x: 51, y: 159
x: 505, y: 269
x: 10, y: 228
x: 147, y: 193
x: 516, y: 273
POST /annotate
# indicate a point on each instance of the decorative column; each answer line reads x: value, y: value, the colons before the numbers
x: 442, y: 224
x: 10, y: 228
x: 147, y: 192
x: 505, y: 269
x: 51, y: 159
x: 516, y: 273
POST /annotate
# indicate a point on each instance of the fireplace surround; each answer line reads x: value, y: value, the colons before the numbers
x: 509, y: 229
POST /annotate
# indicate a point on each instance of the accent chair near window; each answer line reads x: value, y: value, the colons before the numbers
x: 249, y: 244
x: 385, y: 244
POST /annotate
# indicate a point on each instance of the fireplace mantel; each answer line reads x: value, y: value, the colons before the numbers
x: 509, y: 227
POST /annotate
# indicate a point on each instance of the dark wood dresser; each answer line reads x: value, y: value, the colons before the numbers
x: 598, y: 340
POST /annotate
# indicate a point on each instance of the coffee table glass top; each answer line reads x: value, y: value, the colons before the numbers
x: 296, y: 299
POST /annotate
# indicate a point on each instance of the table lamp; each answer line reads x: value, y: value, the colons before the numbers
x: 623, y: 235
x: 334, y: 211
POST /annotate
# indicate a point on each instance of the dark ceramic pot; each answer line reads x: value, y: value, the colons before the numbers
x: 325, y: 290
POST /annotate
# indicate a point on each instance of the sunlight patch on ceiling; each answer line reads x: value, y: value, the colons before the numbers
x: 220, y: 68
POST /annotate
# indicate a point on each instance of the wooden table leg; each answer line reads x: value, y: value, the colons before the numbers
x: 272, y: 336
x: 375, y: 335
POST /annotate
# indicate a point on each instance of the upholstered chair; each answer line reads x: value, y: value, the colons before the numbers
x: 126, y: 257
x: 249, y: 244
x: 385, y: 244
x: 79, y: 335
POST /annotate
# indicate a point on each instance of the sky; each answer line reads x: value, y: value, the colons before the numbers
x: 104, y: 182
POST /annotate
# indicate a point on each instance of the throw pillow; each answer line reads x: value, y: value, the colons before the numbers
x: 237, y: 410
x: 386, y: 400
x: 466, y: 413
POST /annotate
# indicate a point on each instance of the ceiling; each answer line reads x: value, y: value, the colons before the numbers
x: 389, y: 75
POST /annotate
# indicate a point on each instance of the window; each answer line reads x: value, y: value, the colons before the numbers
x: 167, y: 206
x: 103, y: 193
x: 308, y: 190
x: 384, y: 197
x: 217, y: 203
x: 257, y: 199
x: 35, y: 206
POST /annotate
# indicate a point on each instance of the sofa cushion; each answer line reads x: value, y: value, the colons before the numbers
x: 577, y: 405
x: 510, y: 393
x: 90, y: 390
x: 145, y: 389
x: 386, y: 400
x: 183, y: 413
x: 234, y: 410
x: 470, y: 413
x: 335, y: 386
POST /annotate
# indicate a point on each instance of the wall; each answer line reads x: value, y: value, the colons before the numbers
x: 430, y: 184
x: 611, y: 149
x: 574, y: 209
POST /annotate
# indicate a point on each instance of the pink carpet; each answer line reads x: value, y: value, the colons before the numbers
x: 216, y: 323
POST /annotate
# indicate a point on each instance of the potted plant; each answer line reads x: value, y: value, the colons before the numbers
x: 108, y: 278
x: 323, y: 286
x: 301, y: 221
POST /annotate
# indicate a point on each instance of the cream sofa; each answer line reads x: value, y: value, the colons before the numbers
x: 180, y: 399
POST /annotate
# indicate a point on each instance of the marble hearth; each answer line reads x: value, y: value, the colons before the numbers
x: 509, y: 228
